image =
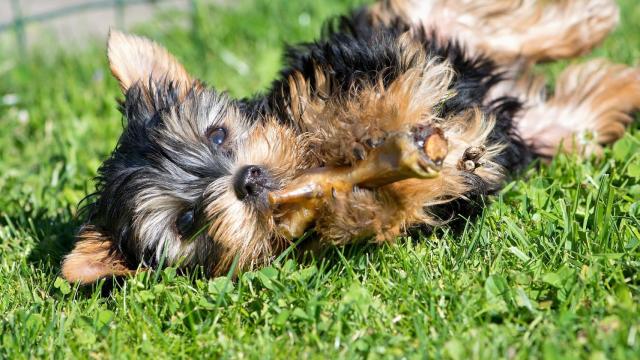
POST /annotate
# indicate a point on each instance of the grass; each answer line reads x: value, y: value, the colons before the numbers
x: 550, y: 270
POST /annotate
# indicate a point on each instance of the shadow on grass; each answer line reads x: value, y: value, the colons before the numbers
x: 53, y: 235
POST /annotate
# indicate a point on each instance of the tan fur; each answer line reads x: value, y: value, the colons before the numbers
x: 240, y: 231
x: 133, y: 58
x: 590, y: 108
x: 360, y: 215
x: 341, y: 125
x: 93, y: 258
x: 592, y: 102
x: 510, y: 29
x: 383, y: 214
x: 338, y: 126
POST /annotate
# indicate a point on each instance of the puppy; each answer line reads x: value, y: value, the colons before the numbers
x: 396, y: 119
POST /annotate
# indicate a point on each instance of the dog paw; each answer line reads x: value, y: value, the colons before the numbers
x: 363, y: 146
x: 472, y: 158
x: 359, y: 151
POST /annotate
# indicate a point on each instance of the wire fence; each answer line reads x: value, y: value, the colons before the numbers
x: 20, y: 21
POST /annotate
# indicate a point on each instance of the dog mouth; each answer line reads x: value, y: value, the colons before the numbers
x: 416, y: 154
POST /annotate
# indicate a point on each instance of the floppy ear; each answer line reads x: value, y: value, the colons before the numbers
x: 135, y: 59
x: 94, y: 257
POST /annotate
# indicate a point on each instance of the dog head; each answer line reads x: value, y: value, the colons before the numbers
x: 188, y: 180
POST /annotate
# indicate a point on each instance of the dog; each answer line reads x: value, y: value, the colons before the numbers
x: 406, y: 114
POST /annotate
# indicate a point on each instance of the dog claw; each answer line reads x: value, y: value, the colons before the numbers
x: 471, y: 159
x: 359, y: 151
x: 468, y: 166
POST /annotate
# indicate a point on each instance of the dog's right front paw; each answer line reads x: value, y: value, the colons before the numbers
x: 472, y: 158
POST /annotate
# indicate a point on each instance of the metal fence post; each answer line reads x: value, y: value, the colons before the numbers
x: 119, y: 7
x: 195, y: 23
x: 18, y: 23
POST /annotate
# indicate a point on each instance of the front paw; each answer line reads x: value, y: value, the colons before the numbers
x: 472, y: 158
x: 372, y: 140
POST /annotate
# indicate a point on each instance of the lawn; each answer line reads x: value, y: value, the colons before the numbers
x: 550, y: 270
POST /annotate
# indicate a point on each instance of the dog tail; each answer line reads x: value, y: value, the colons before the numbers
x: 507, y: 30
x: 591, y: 107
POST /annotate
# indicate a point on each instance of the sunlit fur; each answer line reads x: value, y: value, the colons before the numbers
x: 383, y: 214
x: 590, y: 107
x: 386, y: 68
x: 94, y: 257
x: 592, y: 102
x: 387, y: 80
x: 508, y: 30
x: 341, y: 121
x: 247, y: 231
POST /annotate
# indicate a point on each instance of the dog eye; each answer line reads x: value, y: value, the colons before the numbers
x: 185, y: 222
x: 217, y: 136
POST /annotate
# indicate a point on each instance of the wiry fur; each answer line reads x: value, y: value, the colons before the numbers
x: 164, y: 165
x: 134, y: 59
x: 383, y: 214
x: 585, y: 111
x: 352, y: 121
x: 462, y: 66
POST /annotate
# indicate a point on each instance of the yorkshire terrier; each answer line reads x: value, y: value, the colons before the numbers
x: 406, y: 114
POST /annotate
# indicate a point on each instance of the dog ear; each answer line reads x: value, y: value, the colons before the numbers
x: 134, y: 59
x: 94, y: 257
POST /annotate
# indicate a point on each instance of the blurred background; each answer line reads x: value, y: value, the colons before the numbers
x: 77, y: 20
x: 28, y: 26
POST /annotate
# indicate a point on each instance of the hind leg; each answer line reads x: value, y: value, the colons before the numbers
x: 591, y: 107
x: 508, y: 30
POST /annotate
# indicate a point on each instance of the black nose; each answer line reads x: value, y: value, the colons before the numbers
x: 250, y: 181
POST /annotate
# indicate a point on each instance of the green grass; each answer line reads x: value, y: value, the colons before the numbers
x: 551, y: 269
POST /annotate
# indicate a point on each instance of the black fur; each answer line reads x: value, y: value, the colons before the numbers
x: 146, y: 157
